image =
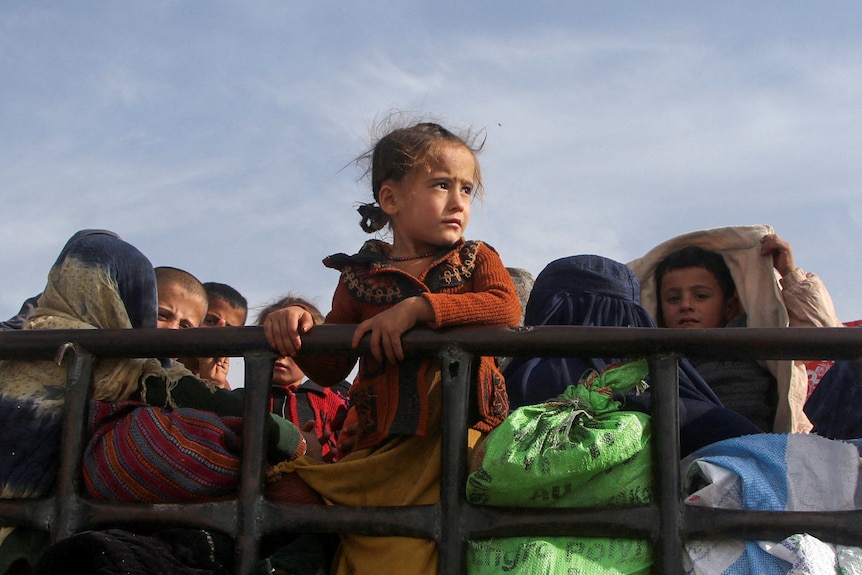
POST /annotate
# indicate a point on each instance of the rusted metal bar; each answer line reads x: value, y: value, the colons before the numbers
x: 667, y: 522
x: 68, y: 515
x: 837, y: 527
x: 667, y: 539
x: 545, y: 341
x: 456, y: 367
x: 629, y: 522
x: 258, y: 372
x: 420, y: 521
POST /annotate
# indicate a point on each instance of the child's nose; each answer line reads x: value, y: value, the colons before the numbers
x: 459, y: 201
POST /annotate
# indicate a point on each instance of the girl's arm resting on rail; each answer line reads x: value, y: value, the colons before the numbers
x: 493, y: 301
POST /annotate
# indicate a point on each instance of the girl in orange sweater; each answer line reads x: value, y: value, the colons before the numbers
x: 424, y: 179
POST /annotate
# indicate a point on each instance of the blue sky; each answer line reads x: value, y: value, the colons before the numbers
x: 218, y: 136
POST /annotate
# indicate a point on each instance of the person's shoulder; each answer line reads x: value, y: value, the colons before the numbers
x: 308, y: 386
x: 372, y: 251
x: 341, y: 388
x: 479, y: 249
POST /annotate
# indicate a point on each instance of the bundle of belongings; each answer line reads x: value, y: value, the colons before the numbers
x: 774, y: 472
x: 574, y: 451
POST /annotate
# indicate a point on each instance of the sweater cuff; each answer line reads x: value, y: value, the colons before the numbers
x: 288, y: 440
x: 795, y: 277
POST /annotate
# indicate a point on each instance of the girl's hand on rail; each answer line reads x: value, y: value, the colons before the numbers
x: 388, y: 326
x: 283, y: 328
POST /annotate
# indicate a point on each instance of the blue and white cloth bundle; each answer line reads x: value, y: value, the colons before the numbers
x: 778, y: 472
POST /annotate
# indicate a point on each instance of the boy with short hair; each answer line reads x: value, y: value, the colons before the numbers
x: 226, y: 307
x: 729, y: 279
x: 182, y: 299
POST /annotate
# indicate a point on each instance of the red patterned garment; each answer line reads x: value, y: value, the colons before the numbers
x: 140, y: 453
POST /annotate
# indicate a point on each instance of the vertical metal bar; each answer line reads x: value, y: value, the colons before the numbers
x: 456, y: 366
x: 79, y: 375
x: 664, y: 390
x: 258, y: 378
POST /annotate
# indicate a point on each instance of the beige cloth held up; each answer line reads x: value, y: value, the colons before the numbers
x: 804, y: 301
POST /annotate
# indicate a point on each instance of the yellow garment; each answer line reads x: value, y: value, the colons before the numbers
x: 402, y: 471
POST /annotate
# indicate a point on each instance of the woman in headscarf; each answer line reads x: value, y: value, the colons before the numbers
x: 98, y: 282
x: 590, y: 290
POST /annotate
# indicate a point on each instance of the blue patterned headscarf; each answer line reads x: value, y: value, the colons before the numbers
x: 98, y: 282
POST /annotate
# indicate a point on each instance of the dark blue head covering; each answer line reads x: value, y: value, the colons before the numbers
x: 590, y: 290
x: 585, y: 290
x: 125, y: 264
x: 29, y: 403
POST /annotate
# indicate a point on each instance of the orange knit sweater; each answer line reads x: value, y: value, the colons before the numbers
x: 467, y: 284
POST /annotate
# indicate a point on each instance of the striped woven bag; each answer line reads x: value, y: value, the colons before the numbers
x: 141, y: 453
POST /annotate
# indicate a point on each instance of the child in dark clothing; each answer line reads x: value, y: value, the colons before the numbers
x: 696, y: 290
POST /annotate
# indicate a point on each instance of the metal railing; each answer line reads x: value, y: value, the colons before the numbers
x: 666, y: 522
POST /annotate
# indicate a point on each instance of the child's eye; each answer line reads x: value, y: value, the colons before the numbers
x: 467, y: 190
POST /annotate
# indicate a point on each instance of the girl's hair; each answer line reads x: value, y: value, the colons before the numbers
x: 288, y: 301
x: 397, y: 153
x: 695, y: 257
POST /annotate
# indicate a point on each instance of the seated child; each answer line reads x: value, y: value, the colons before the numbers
x: 300, y: 400
x: 724, y: 277
x: 226, y: 307
x: 182, y: 299
x: 589, y: 290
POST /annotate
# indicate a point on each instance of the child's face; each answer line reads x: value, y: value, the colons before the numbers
x: 692, y: 298
x: 179, y: 309
x: 285, y: 373
x: 430, y: 207
x: 220, y: 314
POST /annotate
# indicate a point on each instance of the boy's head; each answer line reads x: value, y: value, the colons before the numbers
x: 226, y: 306
x: 182, y: 299
x: 695, y: 289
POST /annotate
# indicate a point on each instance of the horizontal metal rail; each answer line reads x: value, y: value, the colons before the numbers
x: 666, y: 522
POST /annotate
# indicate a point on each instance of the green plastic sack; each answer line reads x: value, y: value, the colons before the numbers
x: 576, y: 451
x: 564, y: 555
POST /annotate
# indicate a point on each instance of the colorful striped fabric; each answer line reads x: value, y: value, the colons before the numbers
x: 141, y: 453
